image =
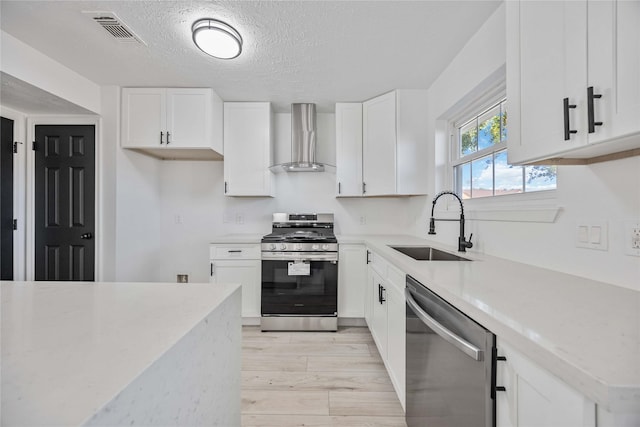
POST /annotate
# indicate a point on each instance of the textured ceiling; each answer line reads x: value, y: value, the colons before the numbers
x: 294, y: 51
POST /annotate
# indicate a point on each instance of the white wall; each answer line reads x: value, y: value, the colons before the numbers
x: 607, y: 191
x: 29, y: 65
x: 107, y: 149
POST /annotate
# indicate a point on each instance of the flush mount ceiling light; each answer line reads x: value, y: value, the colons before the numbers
x: 217, y: 38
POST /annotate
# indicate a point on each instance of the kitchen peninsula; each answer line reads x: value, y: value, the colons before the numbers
x: 77, y: 353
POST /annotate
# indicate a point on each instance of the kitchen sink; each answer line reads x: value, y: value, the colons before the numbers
x: 427, y: 253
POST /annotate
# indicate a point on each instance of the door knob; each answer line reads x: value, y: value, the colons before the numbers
x: 86, y: 236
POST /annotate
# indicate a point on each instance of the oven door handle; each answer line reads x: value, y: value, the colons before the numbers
x: 461, y: 344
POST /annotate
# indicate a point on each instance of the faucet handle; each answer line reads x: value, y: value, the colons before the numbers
x: 468, y: 242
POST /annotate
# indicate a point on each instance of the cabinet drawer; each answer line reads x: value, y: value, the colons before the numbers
x: 235, y: 251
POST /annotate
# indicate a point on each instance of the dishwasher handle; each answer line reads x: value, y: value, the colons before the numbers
x: 466, y: 347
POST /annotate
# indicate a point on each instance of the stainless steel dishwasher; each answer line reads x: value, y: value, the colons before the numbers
x: 450, y: 370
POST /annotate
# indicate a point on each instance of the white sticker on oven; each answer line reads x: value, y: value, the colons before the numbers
x: 299, y: 268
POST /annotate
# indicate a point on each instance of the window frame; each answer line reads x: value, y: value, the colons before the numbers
x: 473, y: 112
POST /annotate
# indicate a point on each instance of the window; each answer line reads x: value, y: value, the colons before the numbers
x: 480, y: 166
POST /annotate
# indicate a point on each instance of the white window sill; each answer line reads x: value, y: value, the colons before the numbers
x: 533, y: 207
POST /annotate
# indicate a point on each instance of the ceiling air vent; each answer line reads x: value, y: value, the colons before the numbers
x: 114, y: 26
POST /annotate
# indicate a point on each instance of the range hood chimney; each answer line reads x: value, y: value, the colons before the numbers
x: 303, y: 141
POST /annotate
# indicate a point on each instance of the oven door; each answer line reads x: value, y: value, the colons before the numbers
x: 301, y: 287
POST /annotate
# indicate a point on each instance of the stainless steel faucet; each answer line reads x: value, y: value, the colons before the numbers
x: 463, y: 244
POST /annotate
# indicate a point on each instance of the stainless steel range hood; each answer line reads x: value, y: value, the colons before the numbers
x: 303, y: 141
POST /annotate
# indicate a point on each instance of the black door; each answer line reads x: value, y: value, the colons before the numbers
x: 6, y: 199
x: 64, y: 202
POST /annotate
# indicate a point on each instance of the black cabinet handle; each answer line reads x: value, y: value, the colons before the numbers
x: 382, y: 298
x: 211, y: 273
x: 380, y: 293
x: 225, y: 187
x: 339, y: 189
x: 235, y: 251
x: 364, y: 187
x: 168, y: 134
x: 494, y: 362
x: 590, y: 111
x: 368, y: 259
x: 161, y: 135
x: 567, y: 128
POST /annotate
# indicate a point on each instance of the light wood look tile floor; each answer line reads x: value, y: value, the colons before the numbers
x: 316, y: 379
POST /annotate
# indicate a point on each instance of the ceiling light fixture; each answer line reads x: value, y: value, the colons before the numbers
x: 217, y: 38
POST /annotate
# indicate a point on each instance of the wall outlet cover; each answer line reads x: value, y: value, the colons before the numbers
x: 632, y: 237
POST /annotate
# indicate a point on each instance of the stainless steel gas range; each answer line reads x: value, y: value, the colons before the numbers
x: 300, y: 274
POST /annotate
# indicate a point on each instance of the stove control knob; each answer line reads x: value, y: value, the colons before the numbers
x: 315, y: 247
x: 283, y: 246
x: 272, y: 247
x: 325, y: 247
x: 297, y: 247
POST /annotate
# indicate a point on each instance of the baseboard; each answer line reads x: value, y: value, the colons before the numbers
x: 251, y: 321
x: 351, y: 321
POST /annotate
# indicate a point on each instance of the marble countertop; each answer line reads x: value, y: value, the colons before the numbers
x: 585, y: 332
x: 69, y: 347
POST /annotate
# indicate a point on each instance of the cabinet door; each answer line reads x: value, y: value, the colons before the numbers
x: 247, y: 148
x: 396, y: 327
x: 548, y: 64
x: 535, y: 397
x: 349, y: 149
x: 378, y: 325
x: 189, y: 118
x: 614, y: 67
x: 368, y: 297
x: 248, y: 274
x: 143, y: 117
x: 379, y: 145
x: 352, y: 279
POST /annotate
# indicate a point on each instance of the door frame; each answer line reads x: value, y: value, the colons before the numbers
x: 19, y: 185
x: 32, y: 122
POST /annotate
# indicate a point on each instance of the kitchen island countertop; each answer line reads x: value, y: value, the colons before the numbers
x: 70, y: 350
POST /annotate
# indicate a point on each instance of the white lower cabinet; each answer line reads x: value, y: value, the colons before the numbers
x: 385, y: 315
x: 378, y: 325
x: 396, y: 327
x: 535, y: 397
x: 352, y: 276
x: 239, y: 263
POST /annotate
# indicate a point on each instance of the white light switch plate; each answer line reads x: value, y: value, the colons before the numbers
x: 592, y: 234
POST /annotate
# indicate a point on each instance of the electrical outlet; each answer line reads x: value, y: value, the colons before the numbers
x: 363, y: 220
x: 239, y: 218
x: 635, y: 237
x: 177, y: 219
x: 632, y: 238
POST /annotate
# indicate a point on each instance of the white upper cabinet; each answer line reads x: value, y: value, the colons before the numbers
x: 394, y: 144
x: 349, y: 149
x: 379, y: 145
x: 172, y: 123
x: 248, y: 148
x: 614, y: 67
x: 573, y: 84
